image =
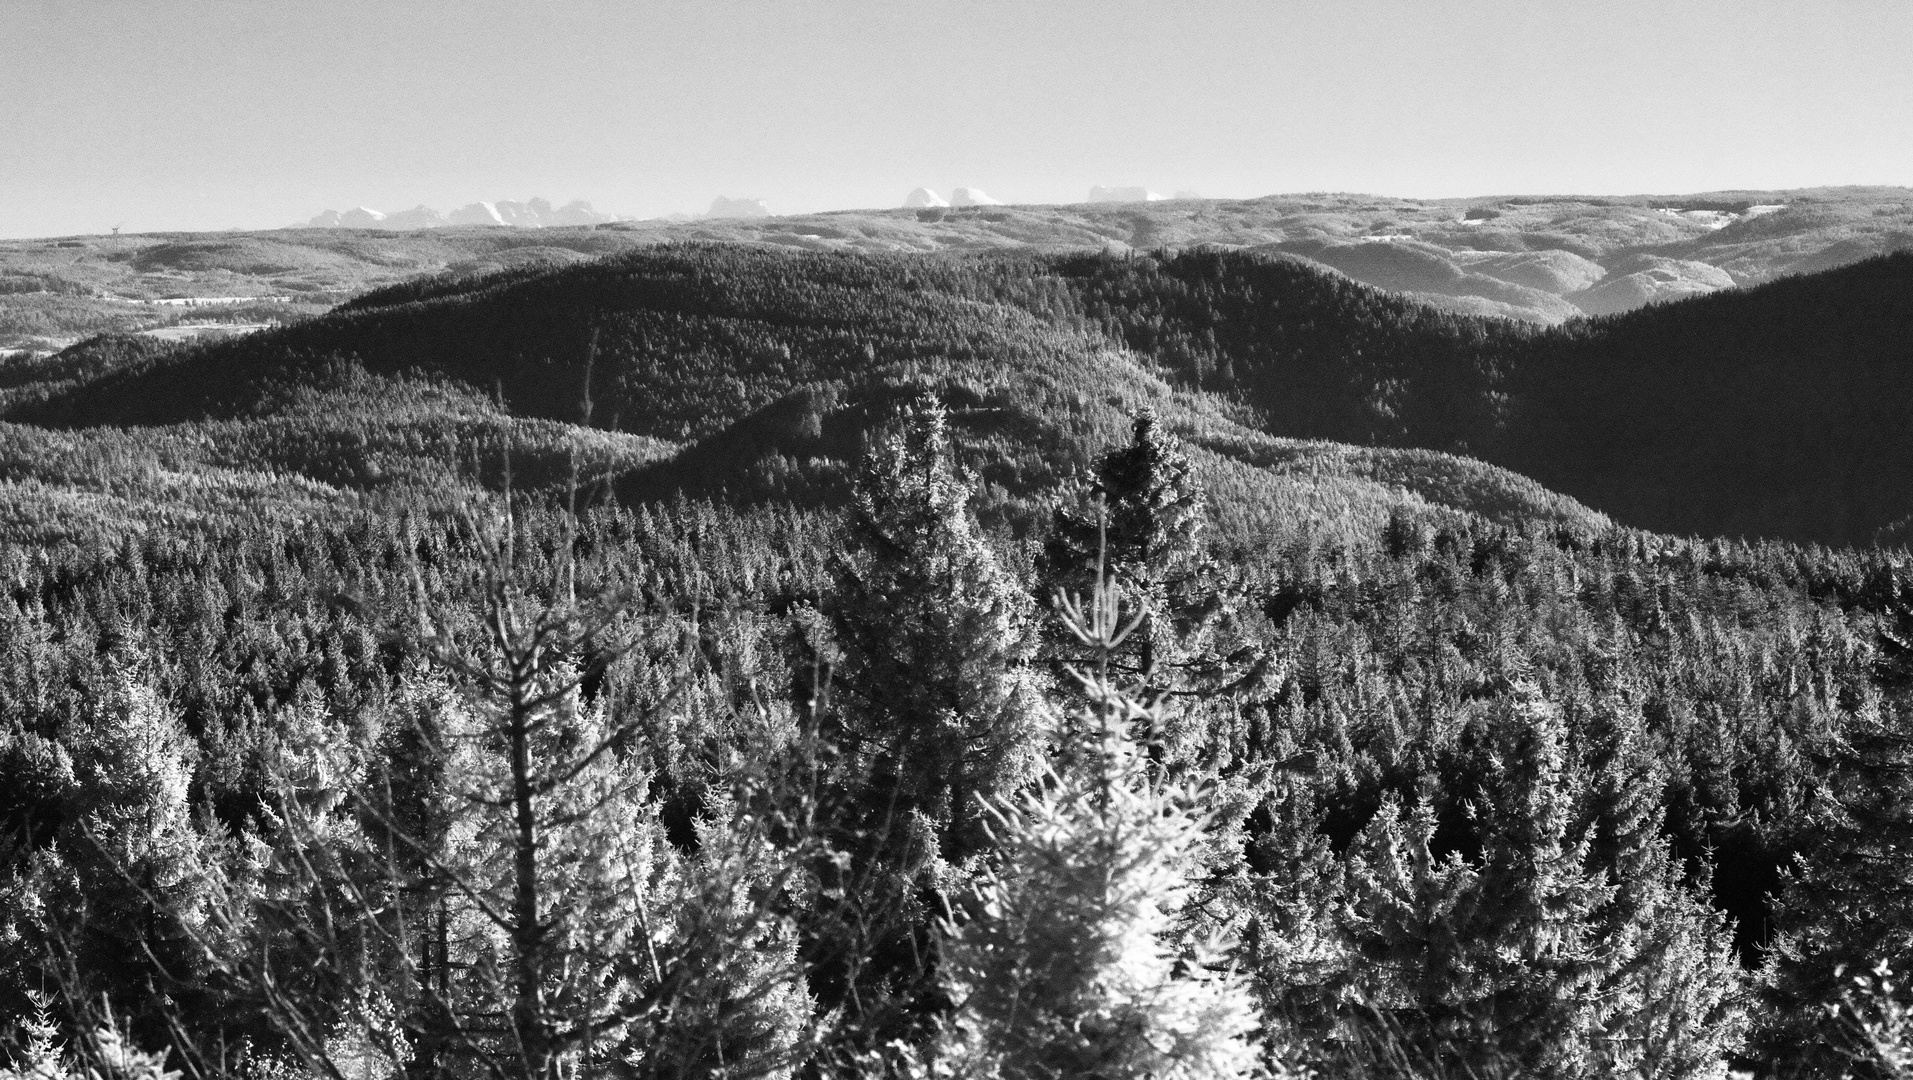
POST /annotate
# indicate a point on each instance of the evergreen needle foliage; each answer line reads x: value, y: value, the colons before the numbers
x: 1068, y: 965
x: 934, y: 689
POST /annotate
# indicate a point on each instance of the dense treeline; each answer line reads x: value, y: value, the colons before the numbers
x: 1480, y: 794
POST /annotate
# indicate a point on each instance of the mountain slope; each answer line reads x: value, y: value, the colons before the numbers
x: 1779, y: 411
x: 1775, y: 411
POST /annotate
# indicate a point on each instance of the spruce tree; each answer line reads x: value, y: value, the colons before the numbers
x: 1496, y: 964
x: 1286, y: 894
x: 1142, y: 530
x: 102, y: 1053
x: 1067, y: 968
x: 1569, y: 947
x: 1677, y: 997
x: 934, y: 692
x: 113, y: 896
x: 1406, y: 922
x: 1847, y: 905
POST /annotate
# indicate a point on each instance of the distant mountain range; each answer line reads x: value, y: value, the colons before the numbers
x: 1538, y: 259
x: 726, y: 207
x: 533, y: 213
x: 1100, y: 194
x: 923, y: 198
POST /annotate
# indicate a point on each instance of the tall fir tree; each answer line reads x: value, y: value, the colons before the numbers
x: 934, y: 691
x: 932, y: 706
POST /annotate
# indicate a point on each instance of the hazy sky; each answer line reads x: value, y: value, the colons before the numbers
x: 200, y: 114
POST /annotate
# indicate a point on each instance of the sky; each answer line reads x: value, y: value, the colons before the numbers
x: 210, y: 114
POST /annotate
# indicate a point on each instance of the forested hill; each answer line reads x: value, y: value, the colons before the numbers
x: 689, y: 339
x: 1772, y: 412
x: 762, y: 369
x: 1776, y: 411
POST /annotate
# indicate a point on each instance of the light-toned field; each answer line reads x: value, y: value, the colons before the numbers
x: 203, y: 331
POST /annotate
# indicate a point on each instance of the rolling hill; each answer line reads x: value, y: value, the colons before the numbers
x: 1534, y: 259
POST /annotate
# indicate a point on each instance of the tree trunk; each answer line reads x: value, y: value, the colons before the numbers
x: 528, y: 1010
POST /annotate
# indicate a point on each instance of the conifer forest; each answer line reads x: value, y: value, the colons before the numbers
x: 721, y: 661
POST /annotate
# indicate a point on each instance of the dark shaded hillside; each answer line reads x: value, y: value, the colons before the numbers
x: 1780, y: 411
x: 686, y: 339
x: 1316, y: 355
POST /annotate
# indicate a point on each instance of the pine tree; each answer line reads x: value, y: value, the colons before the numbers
x: 1067, y: 966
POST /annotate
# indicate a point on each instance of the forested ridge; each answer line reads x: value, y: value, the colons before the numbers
x: 1766, y: 412
x: 713, y: 661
